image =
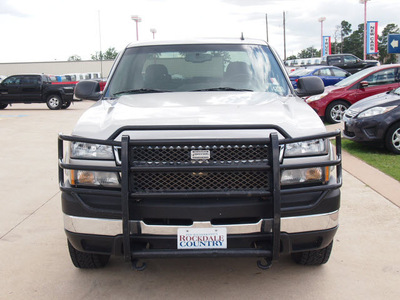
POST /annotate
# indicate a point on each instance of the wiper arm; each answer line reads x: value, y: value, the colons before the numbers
x: 140, y: 91
x: 223, y: 89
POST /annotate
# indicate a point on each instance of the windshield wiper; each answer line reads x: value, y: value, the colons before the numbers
x: 223, y: 89
x: 140, y: 91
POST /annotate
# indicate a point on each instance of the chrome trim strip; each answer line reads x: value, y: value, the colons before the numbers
x: 112, y: 227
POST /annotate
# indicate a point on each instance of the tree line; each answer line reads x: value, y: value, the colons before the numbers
x: 110, y: 53
x: 345, y: 40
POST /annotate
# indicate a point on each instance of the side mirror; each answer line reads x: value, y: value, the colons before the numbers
x: 310, y: 85
x: 363, y: 84
x: 88, y: 90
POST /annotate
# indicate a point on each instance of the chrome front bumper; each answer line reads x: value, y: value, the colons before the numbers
x: 113, y: 227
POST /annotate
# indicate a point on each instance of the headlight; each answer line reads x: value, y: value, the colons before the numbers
x: 316, y: 97
x: 375, y: 111
x: 305, y: 148
x: 309, y: 175
x: 93, y: 178
x: 93, y: 151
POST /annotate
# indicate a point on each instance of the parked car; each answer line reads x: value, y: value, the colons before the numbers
x: 375, y: 119
x: 329, y: 75
x: 35, y: 88
x: 336, y: 99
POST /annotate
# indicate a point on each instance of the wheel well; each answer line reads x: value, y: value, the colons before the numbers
x: 390, y: 126
x: 52, y: 94
x: 337, y: 100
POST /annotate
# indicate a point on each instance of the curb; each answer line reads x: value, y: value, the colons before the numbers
x: 383, y: 184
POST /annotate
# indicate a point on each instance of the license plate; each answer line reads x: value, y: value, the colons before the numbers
x: 202, y: 238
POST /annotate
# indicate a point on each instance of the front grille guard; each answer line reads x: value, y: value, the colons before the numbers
x: 273, y: 166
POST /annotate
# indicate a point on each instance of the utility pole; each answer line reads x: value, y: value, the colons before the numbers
x: 365, y: 27
x: 284, y: 37
x: 322, y: 19
x: 101, y: 54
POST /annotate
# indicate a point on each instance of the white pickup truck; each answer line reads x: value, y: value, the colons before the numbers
x: 199, y: 148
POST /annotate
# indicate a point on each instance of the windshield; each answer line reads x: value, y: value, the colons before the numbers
x: 301, y: 72
x: 353, y: 78
x: 198, y: 67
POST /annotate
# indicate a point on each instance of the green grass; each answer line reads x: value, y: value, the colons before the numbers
x: 378, y: 157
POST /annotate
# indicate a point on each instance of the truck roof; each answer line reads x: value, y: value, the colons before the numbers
x: 199, y: 41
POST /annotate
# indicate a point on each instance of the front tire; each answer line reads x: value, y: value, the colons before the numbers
x: 3, y: 105
x: 66, y: 105
x: 335, y: 111
x: 313, y: 257
x: 54, y: 102
x: 84, y: 260
x: 392, y: 139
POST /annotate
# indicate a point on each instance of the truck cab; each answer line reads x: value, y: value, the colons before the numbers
x: 348, y: 62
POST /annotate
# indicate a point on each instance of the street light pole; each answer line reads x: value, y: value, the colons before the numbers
x: 137, y: 19
x: 365, y: 27
x: 153, y: 31
x: 322, y: 19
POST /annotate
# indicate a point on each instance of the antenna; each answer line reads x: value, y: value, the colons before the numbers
x: 242, y: 37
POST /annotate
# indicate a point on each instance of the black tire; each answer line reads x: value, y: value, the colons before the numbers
x: 66, y: 105
x: 84, y: 260
x: 335, y: 111
x: 314, y: 257
x: 392, y: 138
x: 3, y: 105
x: 54, y: 102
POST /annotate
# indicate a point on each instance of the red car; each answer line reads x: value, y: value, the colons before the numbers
x: 336, y: 99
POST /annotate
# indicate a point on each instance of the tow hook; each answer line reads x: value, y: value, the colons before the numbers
x: 264, y: 265
x: 136, y: 266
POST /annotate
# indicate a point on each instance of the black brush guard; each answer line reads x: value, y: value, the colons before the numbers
x: 273, y: 166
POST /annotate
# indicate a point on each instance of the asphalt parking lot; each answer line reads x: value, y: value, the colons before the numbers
x: 35, y: 264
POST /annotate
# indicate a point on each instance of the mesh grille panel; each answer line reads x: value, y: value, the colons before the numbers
x: 176, y: 155
x: 200, y: 181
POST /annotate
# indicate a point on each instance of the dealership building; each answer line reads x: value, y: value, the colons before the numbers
x: 57, y: 67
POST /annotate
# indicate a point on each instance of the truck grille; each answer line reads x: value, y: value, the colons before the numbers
x: 181, y: 155
x: 185, y: 181
x: 199, y: 181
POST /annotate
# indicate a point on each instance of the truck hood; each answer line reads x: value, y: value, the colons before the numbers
x: 106, y: 117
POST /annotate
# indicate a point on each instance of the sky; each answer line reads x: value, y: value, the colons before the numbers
x: 49, y: 30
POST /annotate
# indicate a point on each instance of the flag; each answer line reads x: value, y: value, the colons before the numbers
x: 326, y: 49
x: 372, y: 37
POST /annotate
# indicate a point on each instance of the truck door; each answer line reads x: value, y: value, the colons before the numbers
x: 30, y: 88
x: 9, y: 89
x: 352, y: 64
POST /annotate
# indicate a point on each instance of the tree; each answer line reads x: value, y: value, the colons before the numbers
x: 354, y: 43
x: 74, y: 57
x: 97, y: 56
x: 309, y: 52
x: 110, y: 53
x: 342, y: 31
x: 384, y: 57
